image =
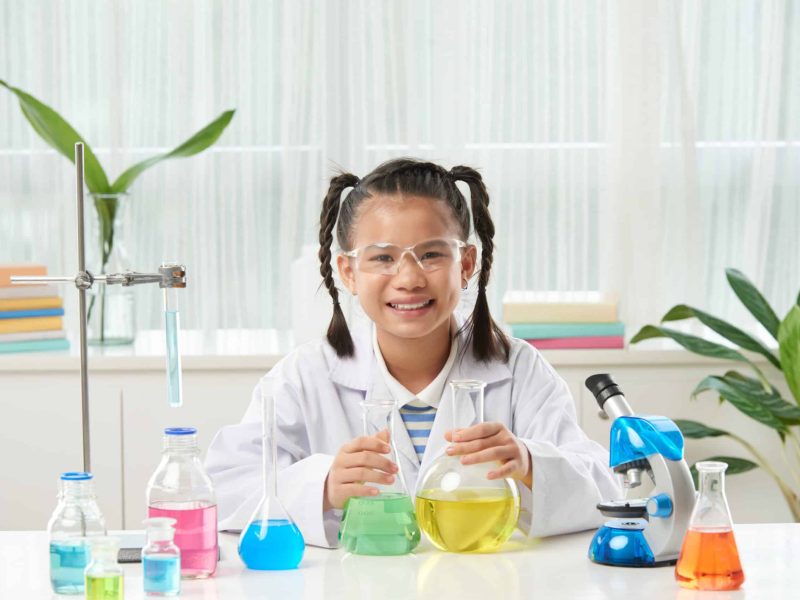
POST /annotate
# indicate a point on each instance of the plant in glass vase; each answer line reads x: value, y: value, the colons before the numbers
x: 110, y: 312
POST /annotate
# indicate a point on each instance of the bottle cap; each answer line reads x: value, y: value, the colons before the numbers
x: 180, y: 431
x: 160, y: 528
x: 76, y: 476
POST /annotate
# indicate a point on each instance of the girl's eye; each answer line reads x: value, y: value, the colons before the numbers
x: 431, y: 255
x: 381, y: 258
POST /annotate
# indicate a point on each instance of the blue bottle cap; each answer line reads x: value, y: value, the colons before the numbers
x: 180, y: 431
x: 76, y: 476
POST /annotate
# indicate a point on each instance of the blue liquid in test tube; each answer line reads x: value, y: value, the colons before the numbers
x: 174, y: 382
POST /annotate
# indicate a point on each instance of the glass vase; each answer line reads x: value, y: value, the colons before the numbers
x: 111, y: 317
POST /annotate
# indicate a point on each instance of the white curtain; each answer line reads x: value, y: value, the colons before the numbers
x: 636, y: 146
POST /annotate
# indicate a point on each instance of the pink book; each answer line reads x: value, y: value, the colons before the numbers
x: 605, y: 341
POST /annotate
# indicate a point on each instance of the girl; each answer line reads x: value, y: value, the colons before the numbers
x: 403, y: 230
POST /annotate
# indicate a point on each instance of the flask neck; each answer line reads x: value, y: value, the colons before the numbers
x: 77, y: 490
x: 185, y: 445
x: 712, y: 484
x: 466, y: 397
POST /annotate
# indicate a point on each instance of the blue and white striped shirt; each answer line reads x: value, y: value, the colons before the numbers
x: 418, y: 411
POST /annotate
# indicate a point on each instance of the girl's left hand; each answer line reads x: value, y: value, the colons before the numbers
x: 486, y: 442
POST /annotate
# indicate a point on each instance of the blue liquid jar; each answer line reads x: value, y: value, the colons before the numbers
x: 75, y: 520
x: 161, y: 558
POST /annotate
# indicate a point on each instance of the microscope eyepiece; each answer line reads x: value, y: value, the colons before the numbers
x: 602, y: 387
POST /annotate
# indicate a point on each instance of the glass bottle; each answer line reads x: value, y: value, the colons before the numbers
x: 180, y: 489
x: 458, y: 508
x: 75, y: 519
x: 161, y: 558
x: 270, y: 540
x: 104, y: 578
x: 709, y: 558
x: 385, y: 524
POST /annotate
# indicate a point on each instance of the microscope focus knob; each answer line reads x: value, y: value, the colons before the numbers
x: 659, y: 506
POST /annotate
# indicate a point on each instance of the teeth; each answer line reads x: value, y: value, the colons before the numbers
x: 410, y: 306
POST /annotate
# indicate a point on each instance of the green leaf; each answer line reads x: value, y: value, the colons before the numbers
x: 789, y: 347
x: 753, y: 301
x: 197, y: 143
x: 59, y: 134
x: 768, y: 398
x: 691, y: 342
x: 735, y: 464
x: 726, y: 330
x: 696, y: 430
x: 742, y: 401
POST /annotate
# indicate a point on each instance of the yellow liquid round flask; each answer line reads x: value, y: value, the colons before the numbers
x: 457, y: 507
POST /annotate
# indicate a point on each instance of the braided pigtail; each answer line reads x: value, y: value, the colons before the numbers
x: 338, y: 334
x: 488, y: 340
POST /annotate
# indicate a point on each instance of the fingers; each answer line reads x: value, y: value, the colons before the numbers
x: 476, y: 432
x: 357, y: 489
x: 474, y: 446
x: 507, y: 470
x: 501, y: 453
x: 370, y: 443
x: 369, y: 459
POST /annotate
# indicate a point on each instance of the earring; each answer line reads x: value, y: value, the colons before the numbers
x: 466, y: 285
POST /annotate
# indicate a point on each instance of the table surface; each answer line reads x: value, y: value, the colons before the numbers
x: 546, y: 568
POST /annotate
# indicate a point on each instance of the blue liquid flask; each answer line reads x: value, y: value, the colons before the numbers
x: 75, y: 520
x: 161, y: 558
x: 270, y: 540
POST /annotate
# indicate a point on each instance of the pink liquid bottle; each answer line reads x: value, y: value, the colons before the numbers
x: 180, y: 489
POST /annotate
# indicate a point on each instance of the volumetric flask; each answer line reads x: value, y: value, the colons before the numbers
x: 180, y: 489
x: 381, y: 525
x: 709, y: 558
x: 458, y: 508
x: 74, y: 522
x: 270, y: 540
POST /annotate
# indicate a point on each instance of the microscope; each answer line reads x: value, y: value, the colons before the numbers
x: 646, y: 531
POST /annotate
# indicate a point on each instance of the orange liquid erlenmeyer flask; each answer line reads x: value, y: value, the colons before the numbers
x: 709, y: 558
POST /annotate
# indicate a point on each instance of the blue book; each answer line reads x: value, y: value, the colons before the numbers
x: 38, y: 312
x: 34, y: 346
x: 544, y: 331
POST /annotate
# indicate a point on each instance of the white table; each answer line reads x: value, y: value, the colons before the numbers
x: 551, y: 568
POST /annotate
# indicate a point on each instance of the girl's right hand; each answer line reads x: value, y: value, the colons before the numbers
x: 358, y: 462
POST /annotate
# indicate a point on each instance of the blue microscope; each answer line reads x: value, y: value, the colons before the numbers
x: 648, y: 531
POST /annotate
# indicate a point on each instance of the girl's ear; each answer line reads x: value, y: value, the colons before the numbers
x: 346, y: 273
x: 469, y: 259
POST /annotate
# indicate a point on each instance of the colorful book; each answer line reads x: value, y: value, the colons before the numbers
x: 31, y: 303
x: 6, y: 271
x: 30, y: 324
x: 528, y: 306
x: 32, y: 335
x: 606, y: 341
x: 539, y: 331
x: 40, y: 312
x: 29, y: 291
x: 34, y: 346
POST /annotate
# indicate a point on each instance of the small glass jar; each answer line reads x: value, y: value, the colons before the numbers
x: 161, y: 558
x: 103, y: 576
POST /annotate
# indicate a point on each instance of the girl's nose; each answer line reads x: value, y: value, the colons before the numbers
x: 409, y: 273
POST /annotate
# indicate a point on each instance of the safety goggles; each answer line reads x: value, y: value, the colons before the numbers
x: 384, y: 258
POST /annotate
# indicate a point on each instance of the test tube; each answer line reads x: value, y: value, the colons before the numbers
x: 172, y: 326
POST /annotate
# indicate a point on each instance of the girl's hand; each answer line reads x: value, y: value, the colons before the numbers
x: 358, y: 461
x: 486, y: 442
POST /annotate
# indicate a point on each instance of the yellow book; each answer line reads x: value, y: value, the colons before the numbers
x: 528, y: 306
x: 30, y: 303
x: 30, y: 324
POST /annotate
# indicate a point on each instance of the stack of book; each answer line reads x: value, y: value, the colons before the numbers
x: 564, y: 320
x: 31, y: 316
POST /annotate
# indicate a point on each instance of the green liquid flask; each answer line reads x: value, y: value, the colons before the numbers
x: 385, y: 524
x: 103, y: 577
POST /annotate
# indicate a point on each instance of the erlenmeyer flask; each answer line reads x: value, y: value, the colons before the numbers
x: 458, y: 508
x: 381, y: 525
x: 709, y: 558
x: 271, y: 540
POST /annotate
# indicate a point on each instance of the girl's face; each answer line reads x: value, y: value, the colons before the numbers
x: 413, y: 303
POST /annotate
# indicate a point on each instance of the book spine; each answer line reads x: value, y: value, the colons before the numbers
x: 6, y: 272
x: 28, y: 291
x: 31, y: 303
x: 560, y: 313
x: 605, y: 342
x: 34, y: 346
x: 30, y: 324
x: 41, y: 312
x: 32, y: 335
x: 538, y: 331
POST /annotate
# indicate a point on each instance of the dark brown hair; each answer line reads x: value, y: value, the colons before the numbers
x: 416, y: 178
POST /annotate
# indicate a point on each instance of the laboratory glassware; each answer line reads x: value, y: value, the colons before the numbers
x: 181, y: 489
x: 384, y: 524
x: 104, y: 578
x: 161, y: 558
x: 270, y: 540
x: 171, y: 327
x: 458, y: 508
x: 74, y: 521
x: 709, y: 559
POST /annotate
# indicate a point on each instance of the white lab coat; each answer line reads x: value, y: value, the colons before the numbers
x: 317, y: 403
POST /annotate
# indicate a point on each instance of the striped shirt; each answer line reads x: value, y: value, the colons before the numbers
x: 417, y: 411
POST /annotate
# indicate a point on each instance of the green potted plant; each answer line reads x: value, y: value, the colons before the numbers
x: 753, y: 395
x: 106, y: 326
